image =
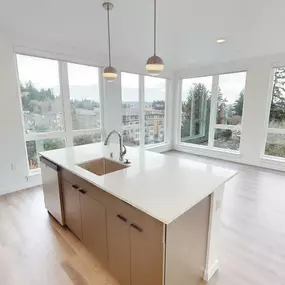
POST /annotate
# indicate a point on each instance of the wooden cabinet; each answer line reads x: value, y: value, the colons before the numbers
x: 127, y: 241
x: 71, y: 204
x: 94, y: 235
x: 135, y: 246
x: 119, y: 247
x: 146, y: 258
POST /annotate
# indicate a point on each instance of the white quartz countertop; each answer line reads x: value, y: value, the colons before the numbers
x: 163, y: 186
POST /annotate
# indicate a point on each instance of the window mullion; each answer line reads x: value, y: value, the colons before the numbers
x: 192, y: 116
x: 275, y: 131
x: 214, y: 102
x: 64, y: 88
x: 101, y: 96
x: 166, y: 110
x: 142, y: 101
x: 228, y: 127
x: 178, y: 109
x: 43, y: 136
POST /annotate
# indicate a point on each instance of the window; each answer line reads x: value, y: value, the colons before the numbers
x: 84, y: 96
x: 47, y: 124
x: 196, y: 106
x: 228, y: 139
x: 147, y: 126
x: 34, y: 147
x: 40, y: 94
x: 229, y: 110
x: 41, y: 106
x: 154, y: 110
x: 275, y: 141
x: 130, y: 108
x: 230, y: 98
x: 213, y: 119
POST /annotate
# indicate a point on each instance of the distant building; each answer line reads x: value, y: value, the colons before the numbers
x: 88, y: 119
x: 131, y: 123
x: 154, y: 123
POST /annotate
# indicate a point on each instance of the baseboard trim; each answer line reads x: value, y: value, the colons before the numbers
x: 31, y: 181
x: 209, y: 272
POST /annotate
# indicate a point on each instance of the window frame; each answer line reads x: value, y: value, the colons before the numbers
x: 167, y: 87
x: 141, y: 90
x: 213, y: 126
x: 67, y: 133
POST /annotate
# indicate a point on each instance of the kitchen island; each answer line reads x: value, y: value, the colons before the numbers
x: 154, y: 221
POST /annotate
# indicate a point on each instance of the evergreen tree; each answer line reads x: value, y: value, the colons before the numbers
x: 277, y: 112
x: 238, y: 104
x: 196, y: 93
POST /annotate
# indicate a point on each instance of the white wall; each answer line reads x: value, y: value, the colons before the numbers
x: 13, y: 162
x: 255, y: 113
x: 112, y: 106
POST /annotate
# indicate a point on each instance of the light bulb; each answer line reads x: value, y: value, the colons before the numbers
x: 110, y: 74
x: 154, y: 65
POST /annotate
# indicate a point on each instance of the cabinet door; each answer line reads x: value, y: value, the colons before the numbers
x: 146, y: 257
x: 71, y: 206
x: 94, y: 236
x: 118, y: 247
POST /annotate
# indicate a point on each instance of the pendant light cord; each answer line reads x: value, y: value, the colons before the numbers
x: 109, y: 38
x: 154, y: 47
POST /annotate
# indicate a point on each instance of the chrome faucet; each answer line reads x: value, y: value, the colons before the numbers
x: 123, y: 149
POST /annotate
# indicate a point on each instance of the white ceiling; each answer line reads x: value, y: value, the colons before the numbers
x: 187, y: 29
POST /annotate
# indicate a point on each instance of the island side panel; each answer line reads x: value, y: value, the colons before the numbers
x: 186, y: 246
x: 212, y: 261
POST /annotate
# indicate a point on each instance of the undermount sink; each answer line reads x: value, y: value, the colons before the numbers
x: 102, y: 166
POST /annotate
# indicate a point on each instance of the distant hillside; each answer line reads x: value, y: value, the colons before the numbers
x: 128, y: 94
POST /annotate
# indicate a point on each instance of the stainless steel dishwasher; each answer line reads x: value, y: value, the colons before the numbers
x: 51, y: 189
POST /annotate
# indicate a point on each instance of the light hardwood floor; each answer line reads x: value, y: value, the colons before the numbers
x: 34, y: 249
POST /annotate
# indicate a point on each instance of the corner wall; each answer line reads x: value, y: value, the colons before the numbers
x: 255, y: 112
x: 13, y: 162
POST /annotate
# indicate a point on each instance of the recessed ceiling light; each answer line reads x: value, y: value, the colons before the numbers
x: 220, y: 41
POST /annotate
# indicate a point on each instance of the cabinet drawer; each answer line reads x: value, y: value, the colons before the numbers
x: 92, y: 190
x: 138, y: 220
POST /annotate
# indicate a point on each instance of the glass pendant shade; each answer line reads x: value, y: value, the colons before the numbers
x: 154, y: 65
x: 110, y: 73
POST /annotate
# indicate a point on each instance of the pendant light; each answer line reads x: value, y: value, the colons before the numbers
x: 154, y: 65
x: 110, y: 72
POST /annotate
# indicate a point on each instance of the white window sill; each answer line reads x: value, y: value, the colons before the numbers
x: 214, y: 149
x: 35, y: 172
x: 155, y: 145
x: 272, y: 159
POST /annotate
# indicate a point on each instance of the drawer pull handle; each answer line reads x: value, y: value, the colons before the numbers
x: 75, y: 186
x: 82, y: 191
x: 136, y: 227
x: 122, y: 218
